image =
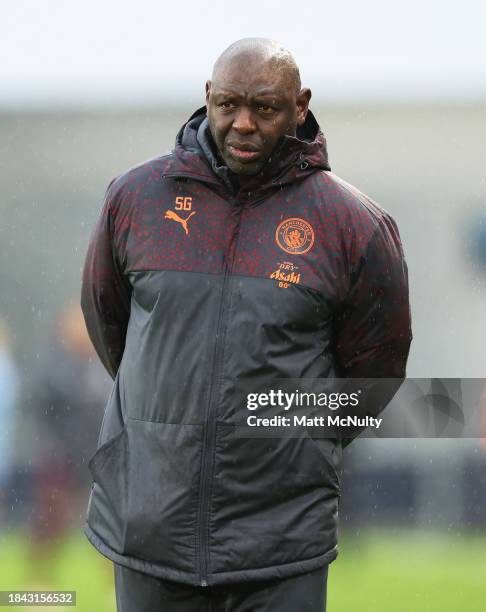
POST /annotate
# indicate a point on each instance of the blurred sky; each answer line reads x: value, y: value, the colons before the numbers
x: 113, y: 52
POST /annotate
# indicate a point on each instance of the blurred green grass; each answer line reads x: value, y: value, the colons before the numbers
x: 376, y: 571
x: 409, y: 571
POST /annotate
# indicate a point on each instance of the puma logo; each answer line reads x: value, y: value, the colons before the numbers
x: 170, y: 214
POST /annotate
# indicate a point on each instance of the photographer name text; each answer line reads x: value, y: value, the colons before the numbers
x: 315, y: 421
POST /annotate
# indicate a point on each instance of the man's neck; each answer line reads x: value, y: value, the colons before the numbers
x: 245, y: 182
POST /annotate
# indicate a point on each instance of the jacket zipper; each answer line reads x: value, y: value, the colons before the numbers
x: 210, y: 424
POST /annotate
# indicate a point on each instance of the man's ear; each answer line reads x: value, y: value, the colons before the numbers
x: 303, y: 99
x: 208, y: 91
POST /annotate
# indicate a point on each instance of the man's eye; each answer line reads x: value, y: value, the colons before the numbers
x: 265, y: 109
x: 226, y: 105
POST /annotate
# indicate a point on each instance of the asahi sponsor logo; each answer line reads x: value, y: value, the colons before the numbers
x: 286, y: 274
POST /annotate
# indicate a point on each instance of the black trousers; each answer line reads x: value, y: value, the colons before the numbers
x: 136, y: 592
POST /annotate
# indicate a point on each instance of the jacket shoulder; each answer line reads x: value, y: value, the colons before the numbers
x: 352, y: 203
x: 363, y: 222
x: 134, y: 180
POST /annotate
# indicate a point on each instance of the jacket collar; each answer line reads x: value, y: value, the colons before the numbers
x: 294, y: 157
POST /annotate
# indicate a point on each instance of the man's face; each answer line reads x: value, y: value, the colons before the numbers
x: 250, y: 106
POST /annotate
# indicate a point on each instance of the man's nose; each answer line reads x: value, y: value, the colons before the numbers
x: 244, y: 122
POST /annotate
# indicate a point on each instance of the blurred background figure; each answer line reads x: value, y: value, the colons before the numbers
x: 68, y: 395
x: 483, y: 420
x: 9, y: 388
x: 476, y: 239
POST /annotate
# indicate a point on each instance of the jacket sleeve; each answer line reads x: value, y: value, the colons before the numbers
x: 373, y: 326
x: 105, y: 292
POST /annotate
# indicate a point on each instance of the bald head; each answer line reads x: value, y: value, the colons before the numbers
x: 259, y: 51
x: 253, y: 100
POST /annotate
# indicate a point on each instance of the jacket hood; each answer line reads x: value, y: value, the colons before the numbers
x: 293, y: 158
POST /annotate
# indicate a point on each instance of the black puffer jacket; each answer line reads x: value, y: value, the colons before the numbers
x: 190, y: 286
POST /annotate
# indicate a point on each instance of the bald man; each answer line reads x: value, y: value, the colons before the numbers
x: 238, y: 257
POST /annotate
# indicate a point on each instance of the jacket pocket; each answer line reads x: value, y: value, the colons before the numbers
x: 273, y: 499
x: 144, y: 500
x: 329, y: 456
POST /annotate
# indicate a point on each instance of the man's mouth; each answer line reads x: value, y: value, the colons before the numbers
x: 244, y: 153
